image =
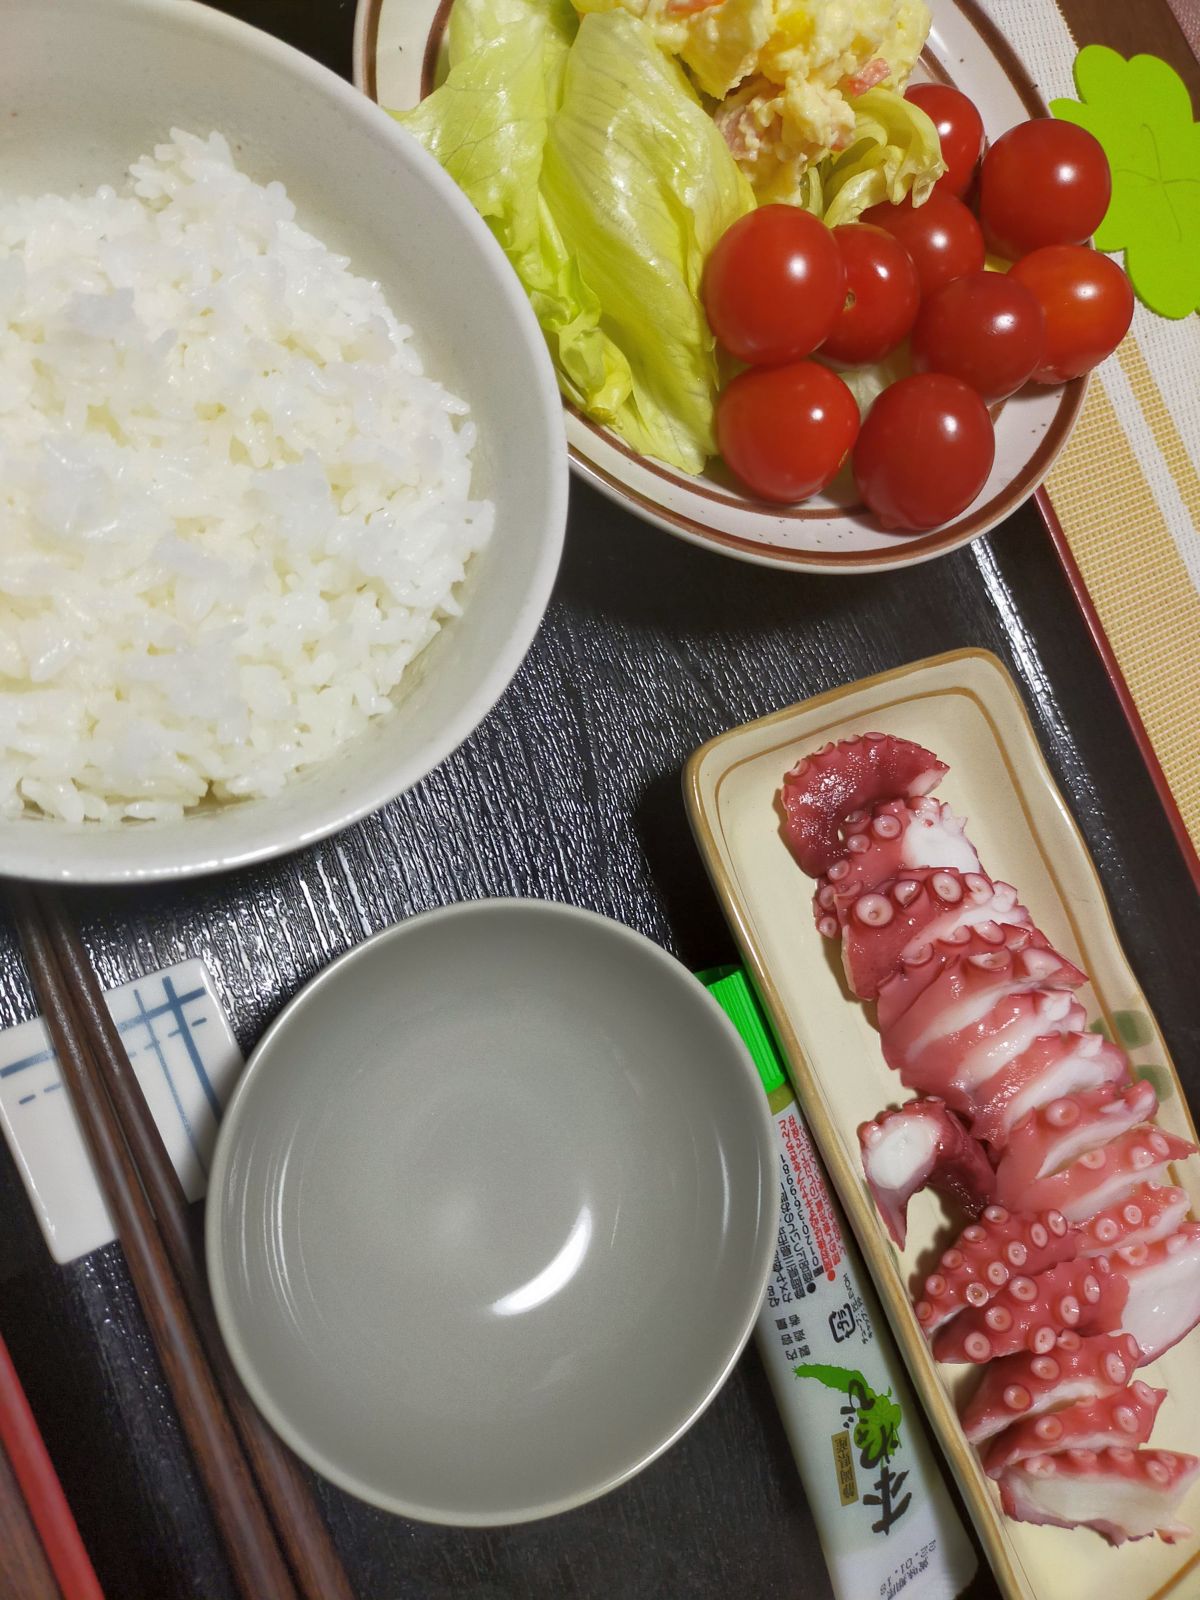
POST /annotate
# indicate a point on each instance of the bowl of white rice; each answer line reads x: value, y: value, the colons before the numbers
x: 282, y: 470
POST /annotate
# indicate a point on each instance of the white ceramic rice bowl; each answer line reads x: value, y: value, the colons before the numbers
x: 86, y: 88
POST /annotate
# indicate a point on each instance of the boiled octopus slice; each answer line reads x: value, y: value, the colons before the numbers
x: 892, y: 839
x: 1052, y: 1136
x: 1028, y: 1385
x: 951, y: 1022
x: 890, y: 924
x: 1060, y: 1061
x: 1029, y: 1313
x: 922, y: 1145
x: 963, y: 1068
x: 1105, y: 1176
x: 1150, y: 1212
x: 1163, y: 1282
x: 986, y: 1255
x: 1121, y: 1493
x: 823, y: 789
x: 1122, y: 1420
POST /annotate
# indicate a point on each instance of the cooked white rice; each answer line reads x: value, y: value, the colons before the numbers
x: 232, y: 507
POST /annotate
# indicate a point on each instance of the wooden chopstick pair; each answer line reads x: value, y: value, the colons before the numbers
x: 277, y: 1544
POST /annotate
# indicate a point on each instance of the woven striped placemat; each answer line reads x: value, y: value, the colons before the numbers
x: 1123, y: 499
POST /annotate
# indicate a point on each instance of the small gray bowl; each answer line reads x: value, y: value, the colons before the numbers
x: 492, y: 1211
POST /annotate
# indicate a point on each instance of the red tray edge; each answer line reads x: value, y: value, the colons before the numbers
x: 1116, y: 677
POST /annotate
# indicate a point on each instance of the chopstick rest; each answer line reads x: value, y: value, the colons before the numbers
x: 187, y: 1061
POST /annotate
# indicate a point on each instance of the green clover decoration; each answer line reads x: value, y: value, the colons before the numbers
x: 1141, y: 113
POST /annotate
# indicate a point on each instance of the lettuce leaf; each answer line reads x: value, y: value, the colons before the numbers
x: 643, y: 186
x: 606, y: 183
x: 895, y: 150
x: 488, y: 125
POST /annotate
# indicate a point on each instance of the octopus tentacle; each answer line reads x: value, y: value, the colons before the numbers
x: 925, y: 906
x: 922, y: 1145
x: 1163, y: 1290
x: 1150, y: 1212
x: 824, y: 788
x: 1054, y: 1064
x: 1121, y: 1493
x: 1029, y: 1313
x: 1122, y: 1420
x: 1105, y: 1176
x: 987, y: 1253
x: 1027, y: 1385
x: 1050, y: 1137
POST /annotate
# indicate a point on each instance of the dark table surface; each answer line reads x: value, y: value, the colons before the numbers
x: 569, y: 791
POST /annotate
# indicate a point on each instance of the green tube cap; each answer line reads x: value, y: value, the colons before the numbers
x: 730, y: 988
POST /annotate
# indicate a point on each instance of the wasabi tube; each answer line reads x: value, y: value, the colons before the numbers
x: 885, y: 1520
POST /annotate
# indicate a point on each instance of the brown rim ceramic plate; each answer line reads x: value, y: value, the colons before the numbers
x: 397, y: 59
x: 965, y: 707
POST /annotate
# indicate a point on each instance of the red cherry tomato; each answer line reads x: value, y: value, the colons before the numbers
x: 987, y: 329
x: 773, y: 285
x: 785, y: 431
x: 924, y: 452
x: 960, y: 129
x: 941, y: 236
x: 882, y: 295
x: 1043, y: 182
x: 1087, y: 302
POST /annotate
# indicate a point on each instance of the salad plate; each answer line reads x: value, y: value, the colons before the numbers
x: 965, y: 707
x: 399, y: 59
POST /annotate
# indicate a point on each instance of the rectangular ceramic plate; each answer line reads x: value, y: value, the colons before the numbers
x: 965, y: 708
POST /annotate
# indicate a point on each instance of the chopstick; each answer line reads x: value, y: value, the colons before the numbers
x: 149, y: 1210
x: 306, y: 1544
x: 35, y: 1494
x: 24, y: 1566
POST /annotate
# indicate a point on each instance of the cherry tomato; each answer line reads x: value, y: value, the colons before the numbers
x: 882, y: 295
x: 924, y: 452
x: 773, y: 285
x: 785, y: 431
x: 1043, y: 182
x: 987, y: 329
x: 941, y: 236
x: 1087, y: 302
x: 960, y: 129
